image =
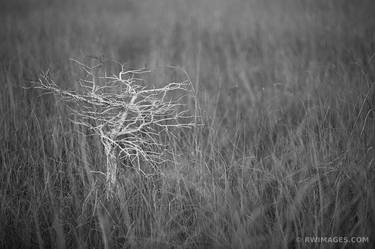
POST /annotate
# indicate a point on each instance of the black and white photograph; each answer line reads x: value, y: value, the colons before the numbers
x: 187, y: 124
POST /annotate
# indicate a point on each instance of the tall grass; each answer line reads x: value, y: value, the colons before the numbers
x: 286, y: 96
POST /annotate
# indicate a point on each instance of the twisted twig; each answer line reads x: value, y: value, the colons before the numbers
x: 127, y: 116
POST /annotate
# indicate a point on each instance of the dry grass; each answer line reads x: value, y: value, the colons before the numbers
x: 285, y: 149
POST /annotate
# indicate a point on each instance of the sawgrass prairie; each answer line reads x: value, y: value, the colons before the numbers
x: 283, y: 149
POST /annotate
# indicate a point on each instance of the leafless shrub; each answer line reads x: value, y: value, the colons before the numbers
x: 128, y: 117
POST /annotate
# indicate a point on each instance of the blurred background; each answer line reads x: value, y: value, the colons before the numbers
x: 235, y: 47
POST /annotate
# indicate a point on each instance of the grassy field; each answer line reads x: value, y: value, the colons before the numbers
x: 285, y: 147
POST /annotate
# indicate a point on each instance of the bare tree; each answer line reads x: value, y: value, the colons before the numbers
x: 128, y: 117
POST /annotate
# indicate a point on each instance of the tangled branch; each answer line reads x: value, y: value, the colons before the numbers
x: 128, y: 117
